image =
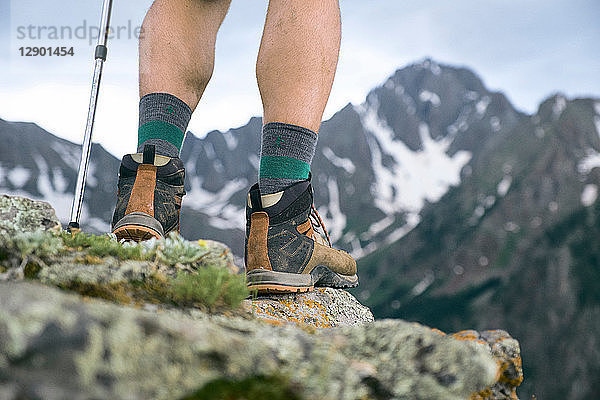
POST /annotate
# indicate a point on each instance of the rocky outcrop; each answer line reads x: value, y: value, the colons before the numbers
x: 86, y: 317
x: 323, y: 308
x: 507, y: 353
x: 18, y: 215
x: 55, y: 346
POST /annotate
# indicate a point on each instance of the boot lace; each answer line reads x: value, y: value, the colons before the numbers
x: 317, y: 222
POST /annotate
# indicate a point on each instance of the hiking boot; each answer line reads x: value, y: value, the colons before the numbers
x: 284, y: 252
x: 149, y: 196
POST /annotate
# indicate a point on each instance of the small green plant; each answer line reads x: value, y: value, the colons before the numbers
x: 105, y: 245
x: 174, y: 249
x: 39, y: 244
x: 210, y: 286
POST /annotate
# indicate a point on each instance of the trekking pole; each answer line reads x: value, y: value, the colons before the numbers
x: 100, y: 57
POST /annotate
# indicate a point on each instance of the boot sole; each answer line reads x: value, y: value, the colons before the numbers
x: 138, y: 227
x: 324, y: 277
x: 264, y: 281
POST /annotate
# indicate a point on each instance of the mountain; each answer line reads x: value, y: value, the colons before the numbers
x: 515, y: 245
x: 463, y: 211
x: 37, y: 164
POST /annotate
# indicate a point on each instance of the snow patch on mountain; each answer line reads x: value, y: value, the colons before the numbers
x: 504, y: 185
x: 332, y: 215
x: 210, y: 150
x: 482, y: 105
x: 59, y: 181
x: 431, y: 97
x: 52, y: 187
x: 432, y: 66
x: 589, y: 162
x: 597, y: 117
x: 60, y: 200
x: 94, y: 223
x: 222, y: 214
x: 460, y: 124
x: 18, y: 176
x: 389, y: 84
x: 409, y: 102
x: 471, y: 95
x: 218, y: 166
x: 254, y: 161
x: 230, y: 140
x: 422, y: 286
x: 415, y: 176
x: 377, y: 227
x: 495, y: 124
x: 340, y: 162
x: 412, y: 220
x: 70, y: 154
x: 589, y: 195
x: 91, y: 180
x: 479, y: 211
x: 559, y: 106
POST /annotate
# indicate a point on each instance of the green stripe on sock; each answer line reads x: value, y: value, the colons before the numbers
x: 283, y: 168
x: 161, y: 130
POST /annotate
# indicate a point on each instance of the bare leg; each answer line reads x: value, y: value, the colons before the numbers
x: 297, y: 60
x: 177, y: 47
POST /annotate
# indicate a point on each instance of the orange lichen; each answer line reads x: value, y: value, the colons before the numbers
x: 299, y: 310
x: 510, y: 372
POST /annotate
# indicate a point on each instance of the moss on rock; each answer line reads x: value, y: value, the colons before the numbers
x: 253, y: 388
x: 171, y: 271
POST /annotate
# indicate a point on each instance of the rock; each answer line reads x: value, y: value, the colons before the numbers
x: 507, y: 353
x: 101, y: 263
x: 18, y: 215
x: 322, y: 308
x: 55, y: 346
x: 80, y: 267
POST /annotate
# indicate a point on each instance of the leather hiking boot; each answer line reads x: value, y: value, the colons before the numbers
x: 284, y: 252
x: 149, y: 196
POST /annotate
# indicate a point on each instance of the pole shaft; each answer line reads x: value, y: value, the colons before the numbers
x: 87, y: 139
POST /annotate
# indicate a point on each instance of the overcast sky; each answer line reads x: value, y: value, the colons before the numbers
x: 529, y: 49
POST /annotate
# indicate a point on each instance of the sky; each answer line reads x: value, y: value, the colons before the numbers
x: 529, y: 49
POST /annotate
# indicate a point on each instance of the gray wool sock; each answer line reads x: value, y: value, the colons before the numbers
x: 285, y: 156
x: 163, y: 122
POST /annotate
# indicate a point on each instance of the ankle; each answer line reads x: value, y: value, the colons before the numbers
x: 163, y: 122
x: 286, y: 154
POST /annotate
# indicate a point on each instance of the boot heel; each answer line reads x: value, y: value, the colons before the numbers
x: 138, y: 226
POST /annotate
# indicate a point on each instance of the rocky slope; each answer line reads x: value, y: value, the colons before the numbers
x: 156, y: 336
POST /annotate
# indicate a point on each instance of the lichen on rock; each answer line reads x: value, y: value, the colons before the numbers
x: 55, y: 342
x: 171, y: 271
x: 19, y: 214
x: 322, y: 308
